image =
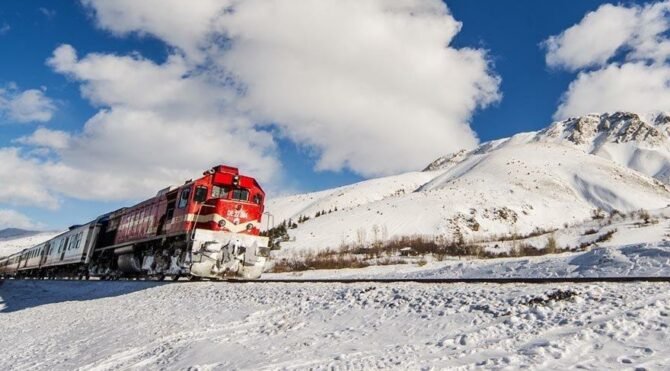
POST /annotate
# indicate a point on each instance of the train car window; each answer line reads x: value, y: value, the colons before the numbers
x: 183, y: 200
x: 220, y: 192
x: 200, y: 194
x: 169, y: 214
x: 258, y: 199
x: 240, y: 194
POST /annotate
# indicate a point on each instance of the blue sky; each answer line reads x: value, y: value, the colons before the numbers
x: 509, y: 33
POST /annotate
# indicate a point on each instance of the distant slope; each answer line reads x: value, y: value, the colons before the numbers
x: 8, y: 233
x: 533, y: 180
x: 10, y: 245
x: 348, y: 197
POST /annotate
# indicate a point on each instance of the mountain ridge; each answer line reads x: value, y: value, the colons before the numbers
x: 9, y: 233
x: 543, y: 179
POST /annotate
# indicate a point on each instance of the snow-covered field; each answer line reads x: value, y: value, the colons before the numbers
x: 633, y: 250
x: 638, y: 260
x: 204, y: 326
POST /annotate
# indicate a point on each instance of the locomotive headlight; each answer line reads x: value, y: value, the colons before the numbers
x: 250, y: 226
x: 222, y: 223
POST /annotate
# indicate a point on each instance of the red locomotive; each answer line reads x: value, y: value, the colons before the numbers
x: 208, y: 227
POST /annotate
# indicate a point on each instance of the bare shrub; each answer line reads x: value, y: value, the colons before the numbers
x: 647, y: 218
x: 590, y: 231
x: 391, y: 261
x: 597, y: 214
x: 605, y: 236
x: 551, y: 247
x: 319, y: 261
x: 616, y: 213
x: 644, y: 215
x: 515, y: 236
x: 387, y: 253
x: 526, y: 250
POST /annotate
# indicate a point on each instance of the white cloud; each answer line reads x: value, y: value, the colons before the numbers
x: 47, y: 138
x: 621, y: 53
x: 26, y: 106
x: 157, y: 124
x: 23, y: 180
x: 371, y: 85
x: 633, y: 87
x: 639, y: 30
x: 13, y: 219
x: 185, y: 25
x: 594, y: 40
x: 48, y: 13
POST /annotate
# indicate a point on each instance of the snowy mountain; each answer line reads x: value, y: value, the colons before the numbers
x: 544, y: 179
x: 13, y: 240
x: 9, y: 233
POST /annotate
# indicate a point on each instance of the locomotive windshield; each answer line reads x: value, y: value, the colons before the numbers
x: 240, y: 194
x: 237, y: 194
x: 220, y: 192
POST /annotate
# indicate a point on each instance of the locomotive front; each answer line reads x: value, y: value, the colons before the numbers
x: 224, y: 224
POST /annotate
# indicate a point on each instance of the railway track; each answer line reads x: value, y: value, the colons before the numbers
x: 527, y: 280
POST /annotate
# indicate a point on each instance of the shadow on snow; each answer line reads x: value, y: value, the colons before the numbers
x: 17, y: 295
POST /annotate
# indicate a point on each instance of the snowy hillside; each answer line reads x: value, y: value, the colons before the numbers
x: 10, y: 245
x: 634, y: 249
x: 8, y: 233
x: 543, y: 179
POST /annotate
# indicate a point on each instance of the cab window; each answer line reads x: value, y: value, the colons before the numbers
x: 240, y: 194
x: 183, y: 200
x: 200, y: 194
x: 258, y: 199
x: 219, y: 192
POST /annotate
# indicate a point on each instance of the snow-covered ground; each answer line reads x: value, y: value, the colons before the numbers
x: 633, y: 250
x: 638, y: 260
x: 221, y: 326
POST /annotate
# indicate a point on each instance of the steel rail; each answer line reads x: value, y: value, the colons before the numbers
x: 504, y: 280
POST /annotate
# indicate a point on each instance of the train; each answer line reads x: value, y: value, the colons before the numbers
x: 206, y: 228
